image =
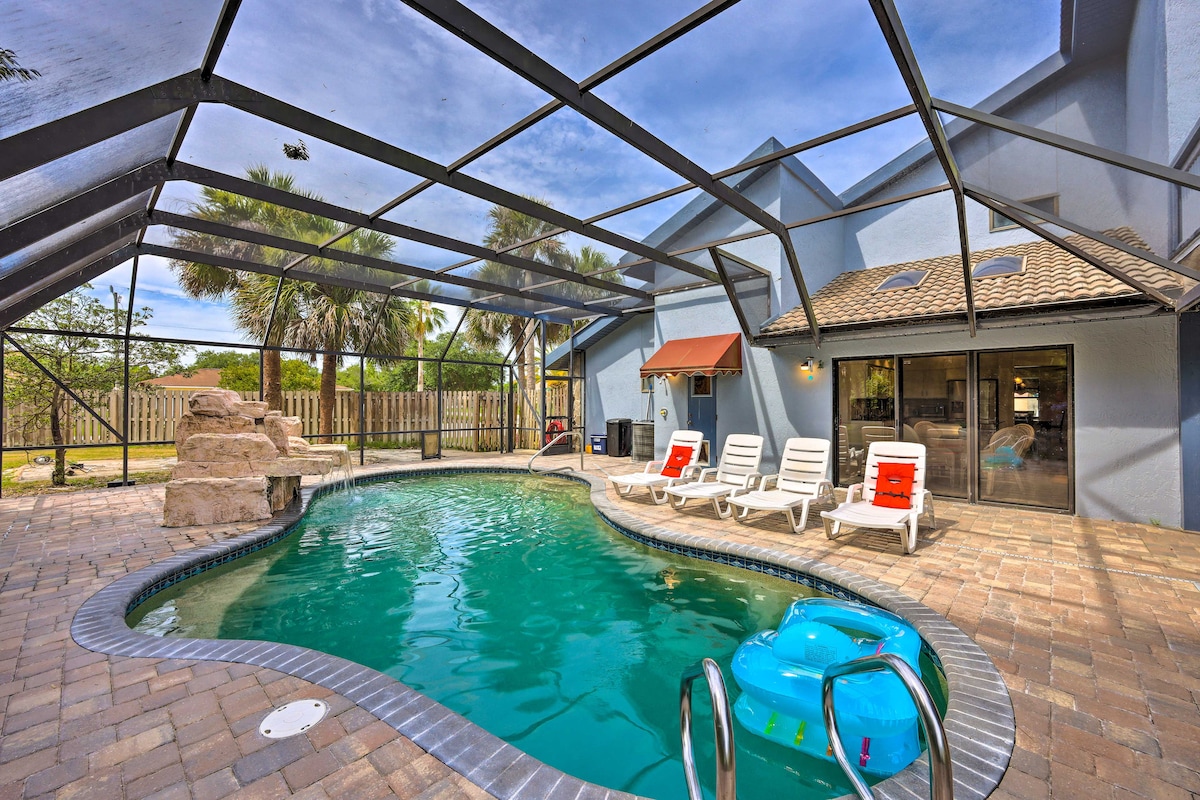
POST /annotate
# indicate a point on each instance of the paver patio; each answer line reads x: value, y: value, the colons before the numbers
x: 1094, y: 625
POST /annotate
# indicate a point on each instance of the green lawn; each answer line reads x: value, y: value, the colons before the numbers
x: 13, y: 459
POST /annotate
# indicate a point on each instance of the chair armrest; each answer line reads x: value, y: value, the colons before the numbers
x: 767, y: 480
x: 690, y: 471
x: 854, y: 493
x: 654, y: 466
x: 706, y: 472
x: 748, y: 481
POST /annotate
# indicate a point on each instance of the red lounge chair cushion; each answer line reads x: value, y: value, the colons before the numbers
x: 679, y: 458
x: 893, y: 487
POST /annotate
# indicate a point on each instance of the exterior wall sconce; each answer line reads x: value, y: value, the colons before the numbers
x: 809, y: 367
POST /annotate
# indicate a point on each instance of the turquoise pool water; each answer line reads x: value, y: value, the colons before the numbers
x: 506, y: 598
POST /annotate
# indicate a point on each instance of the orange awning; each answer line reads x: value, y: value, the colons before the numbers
x: 704, y: 355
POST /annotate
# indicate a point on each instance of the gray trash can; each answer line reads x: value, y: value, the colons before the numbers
x: 620, y: 437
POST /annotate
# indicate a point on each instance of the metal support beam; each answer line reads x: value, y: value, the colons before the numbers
x: 1102, y: 238
x: 208, y: 65
x: 453, y: 336
x: 269, y: 108
x: 810, y: 221
x: 264, y: 239
x: 269, y: 269
x: 1132, y: 163
x: 490, y: 40
x: 70, y: 393
x: 74, y: 210
x: 688, y: 23
x: 257, y: 191
x: 1074, y: 250
x: 737, y: 169
x: 274, y: 310
x: 32, y: 148
x: 730, y: 293
x: 542, y: 372
x: 125, y: 380
x: 32, y: 296
x: 906, y: 62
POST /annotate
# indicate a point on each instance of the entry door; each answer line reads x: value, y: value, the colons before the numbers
x: 702, y: 408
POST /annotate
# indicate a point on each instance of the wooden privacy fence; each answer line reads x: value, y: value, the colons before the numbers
x: 470, y: 420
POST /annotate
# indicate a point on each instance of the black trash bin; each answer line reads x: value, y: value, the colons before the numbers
x: 620, y: 437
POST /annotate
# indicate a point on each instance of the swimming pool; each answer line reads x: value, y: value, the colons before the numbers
x: 509, y: 600
x: 978, y: 720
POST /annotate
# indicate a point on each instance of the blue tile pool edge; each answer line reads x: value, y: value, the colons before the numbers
x: 979, y: 717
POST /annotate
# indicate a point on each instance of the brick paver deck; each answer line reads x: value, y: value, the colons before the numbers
x: 1095, y: 626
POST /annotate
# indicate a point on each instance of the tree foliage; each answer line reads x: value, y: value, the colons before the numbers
x: 307, y: 315
x: 88, y: 365
x: 401, y: 376
x: 10, y: 70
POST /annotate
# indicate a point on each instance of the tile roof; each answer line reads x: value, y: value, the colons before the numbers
x: 1052, y: 276
x: 204, y: 378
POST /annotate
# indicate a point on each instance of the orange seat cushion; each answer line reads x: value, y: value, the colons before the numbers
x: 679, y: 458
x: 893, y: 487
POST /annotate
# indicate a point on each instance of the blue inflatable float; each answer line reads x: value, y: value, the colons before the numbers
x: 780, y: 675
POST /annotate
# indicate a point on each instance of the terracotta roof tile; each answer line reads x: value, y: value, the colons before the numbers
x: 1051, y: 275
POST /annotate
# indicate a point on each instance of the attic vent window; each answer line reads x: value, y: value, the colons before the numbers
x: 908, y: 279
x: 996, y: 267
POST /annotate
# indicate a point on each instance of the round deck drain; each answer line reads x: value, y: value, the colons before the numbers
x: 293, y: 718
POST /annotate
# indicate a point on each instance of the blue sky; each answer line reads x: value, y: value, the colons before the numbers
x: 788, y: 69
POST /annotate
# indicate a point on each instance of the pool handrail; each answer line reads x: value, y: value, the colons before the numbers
x: 941, y: 772
x: 722, y: 730
x: 550, y: 444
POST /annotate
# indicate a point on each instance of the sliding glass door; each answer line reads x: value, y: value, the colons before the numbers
x: 1025, y: 427
x: 866, y: 412
x: 933, y: 392
x: 996, y: 425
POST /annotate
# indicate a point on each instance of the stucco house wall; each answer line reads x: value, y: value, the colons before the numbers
x: 1127, y: 456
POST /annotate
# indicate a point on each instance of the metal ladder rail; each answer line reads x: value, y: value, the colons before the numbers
x: 941, y: 775
x: 722, y: 730
x: 550, y: 444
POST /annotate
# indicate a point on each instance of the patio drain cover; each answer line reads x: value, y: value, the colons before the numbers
x: 293, y: 718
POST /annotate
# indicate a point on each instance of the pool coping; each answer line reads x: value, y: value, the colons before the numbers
x: 979, y: 721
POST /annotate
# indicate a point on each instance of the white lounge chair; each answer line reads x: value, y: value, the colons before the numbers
x: 801, y: 480
x: 735, y: 472
x: 652, y: 476
x: 859, y: 509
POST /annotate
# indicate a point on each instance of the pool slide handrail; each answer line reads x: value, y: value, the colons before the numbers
x: 941, y: 774
x: 722, y: 730
x: 550, y: 444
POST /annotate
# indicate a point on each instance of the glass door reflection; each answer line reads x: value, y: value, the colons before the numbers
x: 866, y: 412
x: 933, y: 395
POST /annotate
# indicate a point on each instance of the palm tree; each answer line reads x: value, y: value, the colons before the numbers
x: 490, y: 328
x: 426, y: 319
x: 307, y: 315
x: 246, y: 291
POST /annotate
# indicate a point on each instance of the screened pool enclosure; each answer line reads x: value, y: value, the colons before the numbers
x: 203, y: 170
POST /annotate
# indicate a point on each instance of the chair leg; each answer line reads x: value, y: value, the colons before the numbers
x: 797, y: 527
x: 722, y: 514
x: 624, y: 492
x: 677, y: 502
x: 743, y: 514
x: 909, y: 533
x: 658, y: 499
x: 833, y: 528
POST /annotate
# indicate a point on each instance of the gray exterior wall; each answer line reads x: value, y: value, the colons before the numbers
x: 613, y: 386
x: 1127, y: 455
